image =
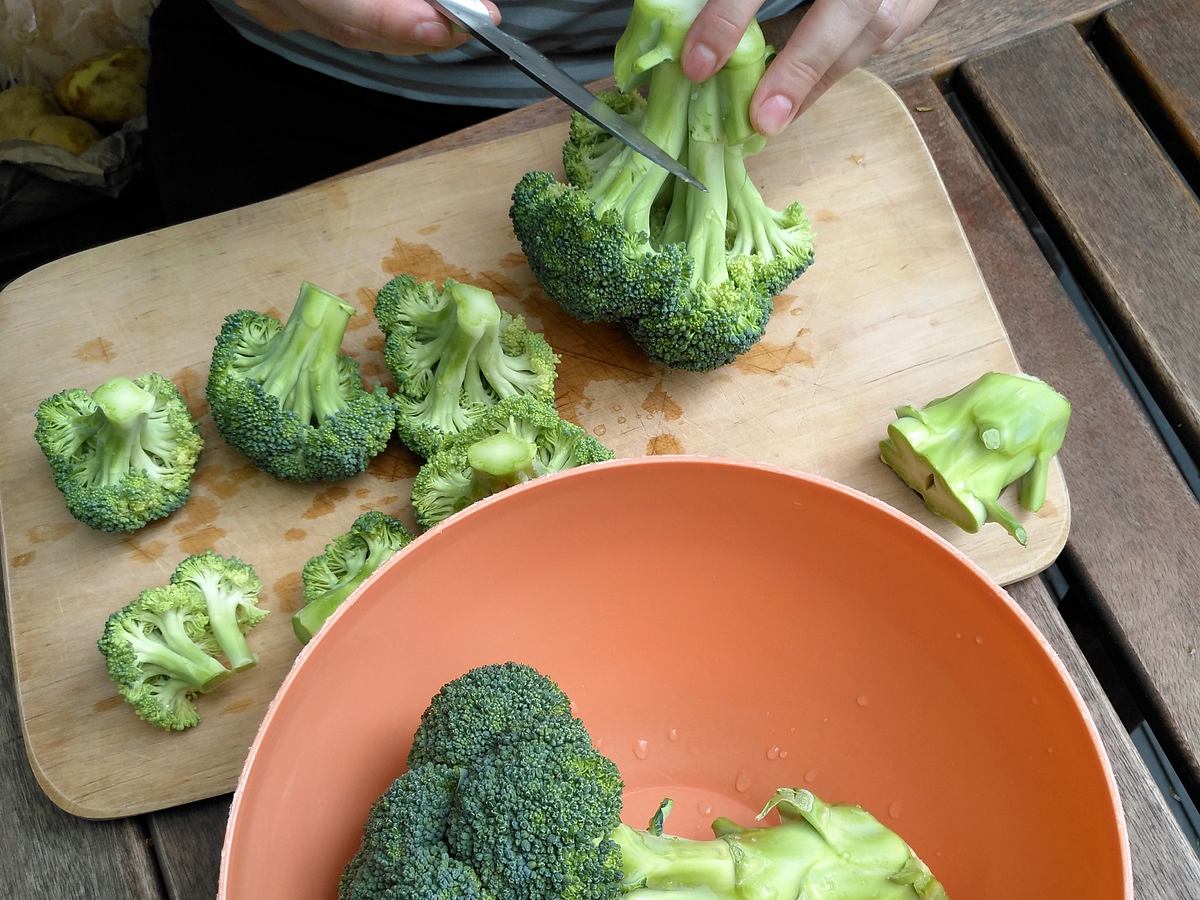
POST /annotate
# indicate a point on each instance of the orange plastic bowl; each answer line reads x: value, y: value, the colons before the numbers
x: 723, y: 629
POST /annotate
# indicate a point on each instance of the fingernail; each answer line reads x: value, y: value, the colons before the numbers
x: 701, y: 61
x: 432, y: 34
x: 774, y: 114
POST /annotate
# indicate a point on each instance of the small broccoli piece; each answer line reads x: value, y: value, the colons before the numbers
x: 290, y: 400
x: 348, y: 561
x: 159, y: 651
x: 690, y: 273
x: 454, y: 353
x: 230, y: 590
x: 514, y: 441
x: 492, y: 705
x: 960, y: 452
x: 123, y: 455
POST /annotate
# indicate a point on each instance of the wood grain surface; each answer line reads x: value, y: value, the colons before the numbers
x: 1134, y: 519
x: 894, y: 311
x: 1115, y: 198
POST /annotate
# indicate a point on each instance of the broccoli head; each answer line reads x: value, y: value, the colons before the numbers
x: 454, y: 353
x: 514, y: 441
x: 960, y: 452
x: 159, y: 652
x: 348, y: 561
x: 230, y: 590
x: 691, y: 273
x: 123, y: 455
x: 289, y: 399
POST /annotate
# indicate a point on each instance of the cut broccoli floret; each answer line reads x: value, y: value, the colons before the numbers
x: 514, y: 441
x: 348, y: 561
x: 454, y: 353
x: 290, y: 400
x: 123, y: 455
x: 690, y: 273
x: 159, y: 651
x: 960, y: 452
x: 230, y: 589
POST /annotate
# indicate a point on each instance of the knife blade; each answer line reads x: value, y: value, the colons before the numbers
x: 475, y: 18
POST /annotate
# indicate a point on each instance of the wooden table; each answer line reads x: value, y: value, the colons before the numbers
x: 1068, y: 135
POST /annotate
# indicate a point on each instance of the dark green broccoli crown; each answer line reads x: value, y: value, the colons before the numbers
x: 448, y: 483
x: 403, y: 855
x: 454, y: 353
x: 493, y: 705
x: 591, y: 265
x: 124, y: 455
x: 287, y: 398
x: 534, y: 820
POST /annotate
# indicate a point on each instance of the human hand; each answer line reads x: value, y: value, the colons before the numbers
x: 834, y: 38
x: 396, y: 27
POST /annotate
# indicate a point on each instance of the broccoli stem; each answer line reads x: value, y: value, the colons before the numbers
x: 299, y: 366
x: 650, y: 861
x: 706, y: 212
x: 202, y: 675
x: 222, y: 617
x: 476, y: 316
x: 501, y: 461
x: 313, y: 615
x: 124, y: 409
x: 758, y: 231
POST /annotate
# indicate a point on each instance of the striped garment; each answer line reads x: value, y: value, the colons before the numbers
x: 577, y: 34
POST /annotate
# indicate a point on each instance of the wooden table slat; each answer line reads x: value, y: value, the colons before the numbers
x: 187, y: 840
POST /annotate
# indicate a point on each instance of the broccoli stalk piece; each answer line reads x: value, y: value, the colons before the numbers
x: 960, y: 452
x: 286, y: 397
x: 123, y: 455
x: 158, y: 651
x: 516, y: 440
x: 690, y: 273
x: 348, y: 561
x: 454, y: 353
x: 230, y: 590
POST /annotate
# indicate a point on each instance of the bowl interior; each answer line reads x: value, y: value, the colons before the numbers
x: 723, y: 630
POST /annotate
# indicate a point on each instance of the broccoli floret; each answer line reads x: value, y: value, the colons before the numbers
x: 286, y: 397
x: 690, y: 273
x: 159, y: 651
x: 348, y: 561
x: 960, y: 452
x: 454, y: 353
x: 123, y: 455
x: 514, y: 441
x: 230, y: 589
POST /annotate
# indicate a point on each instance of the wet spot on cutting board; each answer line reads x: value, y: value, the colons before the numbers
x: 144, y: 551
x: 429, y: 229
x: 394, y: 464
x: 663, y: 445
x: 238, y: 706
x: 191, y: 387
x: 56, y: 532
x: 96, y: 350
x: 423, y: 263
x: 335, y: 193
x: 362, y: 493
x: 782, y: 302
x: 599, y: 431
x: 108, y: 703
x: 326, y: 502
x: 196, y: 531
x: 288, y: 592
x: 204, y: 539
x: 826, y: 215
x: 23, y: 559
x: 857, y: 158
x: 659, y: 402
x: 770, y: 359
x: 376, y: 343
x: 275, y: 312
x: 222, y: 480
x: 295, y: 534
x: 512, y: 260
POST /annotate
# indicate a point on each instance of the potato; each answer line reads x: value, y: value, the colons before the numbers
x: 108, y: 89
x: 19, y: 107
x: 72, y: 134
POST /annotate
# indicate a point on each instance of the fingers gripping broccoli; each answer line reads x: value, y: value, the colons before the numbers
x: 691, y: 274
x: 516, y: 440
x: 960, y: 452
x: 230, y: 591
x: 453, y: 354
x: 348, y: 561
x: 123, y: 455
x: 290, y: 400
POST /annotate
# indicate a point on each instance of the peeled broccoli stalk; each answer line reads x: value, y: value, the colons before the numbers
x: 230, y: 590
x: 347, y: 561
x: 690, y: 273
x: 123, y: 455
x: 286, y: 397
x: 960, y: 452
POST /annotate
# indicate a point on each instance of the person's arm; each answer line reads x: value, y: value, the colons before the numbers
x: 834, y: 38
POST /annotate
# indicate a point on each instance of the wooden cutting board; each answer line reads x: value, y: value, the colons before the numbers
x: 893, y: 311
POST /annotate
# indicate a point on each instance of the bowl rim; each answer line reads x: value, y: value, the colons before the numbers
x: 547, y: 482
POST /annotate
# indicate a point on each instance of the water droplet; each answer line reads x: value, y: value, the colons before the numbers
x: 641, y: 749
x: 1050, y: 750
x: 959, y: 635
x: 773, y: 753
x: 620, y: 420
x: 743, y: 781
x: 704, y: 808
x: 862, y: 700
x: 811, y: 775
x: 673, y: 734
x: 894, y: 810
x: 599, y: 430
x: 783, y: 754
x: 978, y: 639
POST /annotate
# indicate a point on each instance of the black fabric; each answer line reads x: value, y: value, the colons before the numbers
x: 232, y: 123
